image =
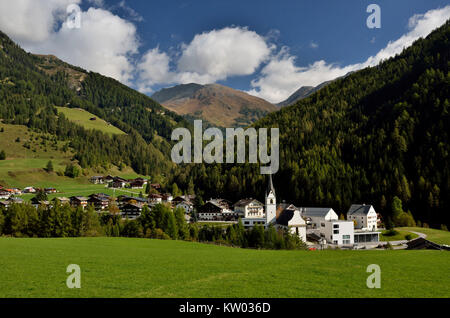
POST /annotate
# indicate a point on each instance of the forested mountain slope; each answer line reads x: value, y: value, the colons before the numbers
x: 378, y: 133
x: 31, y: 85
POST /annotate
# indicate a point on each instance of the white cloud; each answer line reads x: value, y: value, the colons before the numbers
x: 108, y: 44
x: 209, y: 57
x: 225, y: 52
x: 313, y: 45
x: 281, y: 77
x: 132, y: 14
x: 104, y: 43
x: 31, y: 20
x: 154, y: 68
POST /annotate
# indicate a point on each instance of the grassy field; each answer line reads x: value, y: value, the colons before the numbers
x: 400, y: 236
x: 19, y: 142
x: 437, y: 236
x: 30, y: 172
x: 28, y: 153
x: 120, y: 267
x: 83, y: 118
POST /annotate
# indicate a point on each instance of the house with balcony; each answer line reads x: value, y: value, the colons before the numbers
x: 364, y: 216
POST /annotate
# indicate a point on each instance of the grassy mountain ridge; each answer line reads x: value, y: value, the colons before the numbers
x: 219, y: 105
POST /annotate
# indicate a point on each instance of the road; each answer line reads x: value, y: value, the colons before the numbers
x: 403, y: 242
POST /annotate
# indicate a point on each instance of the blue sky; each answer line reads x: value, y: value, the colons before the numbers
x: 275, y: 46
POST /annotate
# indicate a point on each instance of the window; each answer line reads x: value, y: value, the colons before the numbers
x: 246, y: 222
x: 346, y: 237
x: 336, y: 232
x: 336, y: 226
x: 322, y: 224
x: 346, y: 241
x: 335, y: 242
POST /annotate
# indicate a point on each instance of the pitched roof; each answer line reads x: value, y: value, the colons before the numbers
x: 244, y: 202
x: 285, y: 216
x: 359, y: 209
x: 79, y: 198
x: 133, y: 205
x: 315, y: 212
x: 421, y: 243
x: 61, y: 199
x: 100, y: 195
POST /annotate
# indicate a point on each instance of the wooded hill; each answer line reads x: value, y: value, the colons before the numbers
x: 31, y: 85
x: 375, y: 134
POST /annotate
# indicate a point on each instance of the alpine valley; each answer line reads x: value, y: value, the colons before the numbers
x: 373, y: 135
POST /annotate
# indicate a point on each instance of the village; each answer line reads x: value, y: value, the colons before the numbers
x: 317, y: 226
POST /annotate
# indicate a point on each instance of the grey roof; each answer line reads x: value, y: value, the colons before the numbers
x: 246, y: 202
x: 360, y: 209
x: 286, y: 215
x: 79, y: 198
x: 285, y: 205
x: 315, y: 212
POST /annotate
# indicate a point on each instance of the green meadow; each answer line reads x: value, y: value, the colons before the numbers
x: 30, y: 172
x: 83, y: 118
x: 437, y: 236
x: 121, y: 267
x: 400, y: 236
x: 27, y: 155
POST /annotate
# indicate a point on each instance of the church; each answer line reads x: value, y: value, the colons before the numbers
x: 283, y: 215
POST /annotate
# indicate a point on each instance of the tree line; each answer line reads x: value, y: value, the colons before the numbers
x: 161, y: 222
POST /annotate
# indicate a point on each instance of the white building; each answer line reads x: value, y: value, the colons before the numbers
x: 271, y: 204
x: 269, y: 217
x: 338, y: 232
x: 290, y: 218
x: 4, y: 195
x: 186, y: 206
x: 364, y: 216
x: 285, y: 216
x: 249, y: 208
x: 154, y: 198
x: 29, y: 190
x: 317, y: 216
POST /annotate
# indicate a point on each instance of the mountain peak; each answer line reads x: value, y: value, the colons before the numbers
x: 217, y: 104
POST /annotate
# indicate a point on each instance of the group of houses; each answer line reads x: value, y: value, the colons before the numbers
x: 7, y: 193
x: 119, y: 183
x: 314, y: 224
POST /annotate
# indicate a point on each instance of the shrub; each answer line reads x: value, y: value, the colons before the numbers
x: 390, y: 232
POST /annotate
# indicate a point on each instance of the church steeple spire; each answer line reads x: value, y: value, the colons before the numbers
x: 271, y: 203
x: 270, y: 186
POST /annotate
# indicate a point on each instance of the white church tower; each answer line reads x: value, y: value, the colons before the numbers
x: 271, y: 203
